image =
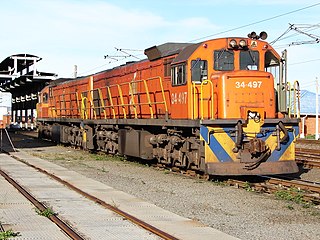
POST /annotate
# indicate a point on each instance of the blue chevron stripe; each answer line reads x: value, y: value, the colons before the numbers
x: 276, y: 155
x: 215, y: 146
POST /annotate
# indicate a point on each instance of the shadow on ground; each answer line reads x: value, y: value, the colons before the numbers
x: 10, y: 141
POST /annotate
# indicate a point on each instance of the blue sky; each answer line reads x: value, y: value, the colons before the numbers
x: 69, y: 32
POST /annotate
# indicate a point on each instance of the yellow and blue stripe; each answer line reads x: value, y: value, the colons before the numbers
x: 219, y: 143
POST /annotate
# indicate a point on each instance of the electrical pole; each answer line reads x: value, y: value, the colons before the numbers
x: 75, y: 71
x: 317, y: 109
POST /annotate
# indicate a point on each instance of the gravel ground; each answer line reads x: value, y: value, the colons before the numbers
x: 241, y: 213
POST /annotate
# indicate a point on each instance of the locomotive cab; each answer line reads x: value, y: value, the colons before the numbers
x: 234, y: 84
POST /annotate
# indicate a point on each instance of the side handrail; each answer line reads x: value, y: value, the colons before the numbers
x: 78, y: 104
x: 102, y: 103
x: 132, y: 94
x: 62, y: 110
x: 201, y: 98
x: 148, y: 97
x: 111, y: 102
x: 92, y: 106
x: 289, y: 98
x: 84, y: 114
x: 132, y: 100
x: 122, y: 102
x: 193, y: 100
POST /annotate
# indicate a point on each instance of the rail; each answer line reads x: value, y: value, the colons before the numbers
x: 66, y: 228
x: 39, y: 205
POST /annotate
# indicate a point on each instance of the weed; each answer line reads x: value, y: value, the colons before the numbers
x: 248, y: 187
x: 99, y: 157
x: 114, y: 204
x: 59, y: 158
x: 219, y: 183
x: 292, y: 194
x: 8, y: 234
x: 290, y: 207
x: 166, y: 171
x: 48, y: 212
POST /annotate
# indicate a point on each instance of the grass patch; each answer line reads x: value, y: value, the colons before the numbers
x: 311, y: 137
x: 8, y: 234
x: 248, y: 187
x: 48, y: 212
x: 98, y: 157
x: 292, y: 195
x: 290, y: 207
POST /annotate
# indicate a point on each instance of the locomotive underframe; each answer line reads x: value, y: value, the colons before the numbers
x: 175, y: 143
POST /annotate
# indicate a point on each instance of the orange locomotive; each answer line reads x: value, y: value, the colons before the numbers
x: 217, y: 106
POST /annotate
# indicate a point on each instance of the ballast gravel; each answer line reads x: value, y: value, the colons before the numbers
x: 238, y: 212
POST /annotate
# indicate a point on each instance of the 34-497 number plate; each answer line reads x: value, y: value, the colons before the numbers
x: 251, y: 84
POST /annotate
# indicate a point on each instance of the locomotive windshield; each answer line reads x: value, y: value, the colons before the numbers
x: 249, y: 60
x: 223, y: 60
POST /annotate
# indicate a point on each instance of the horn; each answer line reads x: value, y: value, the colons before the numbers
x: 263, y: 35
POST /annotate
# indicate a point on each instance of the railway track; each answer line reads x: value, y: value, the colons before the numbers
x: 308, y: 153
x: 73, y: 234
x: 291, y: 189
x: 309, y: 191
x: 305, y: 191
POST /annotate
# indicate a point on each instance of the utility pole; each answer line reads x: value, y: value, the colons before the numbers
x: 75, y: 71
x: 317, y: 109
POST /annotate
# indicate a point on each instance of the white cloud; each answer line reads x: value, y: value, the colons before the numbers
x: 65, y: 33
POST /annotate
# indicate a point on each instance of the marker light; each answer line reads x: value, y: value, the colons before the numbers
x: 242, y: 43
x: 233, y: 43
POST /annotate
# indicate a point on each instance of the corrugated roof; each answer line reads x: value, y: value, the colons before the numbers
x: 308, y: 103
x: 9, y: 62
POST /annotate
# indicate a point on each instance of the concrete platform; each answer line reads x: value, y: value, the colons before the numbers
x: 91, y: 219
x: 19, y: 215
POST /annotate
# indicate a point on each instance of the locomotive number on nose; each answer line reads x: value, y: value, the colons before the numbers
x: 251, y: 84
x: 179, y: 98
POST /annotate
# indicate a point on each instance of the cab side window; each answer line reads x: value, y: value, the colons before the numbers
x: 45, y: 97
x: 223, y: 60
x: 199, y: 70
x: 178, y: 75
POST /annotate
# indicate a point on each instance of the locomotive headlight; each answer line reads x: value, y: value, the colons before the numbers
x: 242, y: 43
x: 233, y: 43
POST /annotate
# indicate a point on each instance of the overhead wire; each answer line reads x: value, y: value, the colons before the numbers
x: 257, y: 22
x: 297, y: 28
x: 226, y: 31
